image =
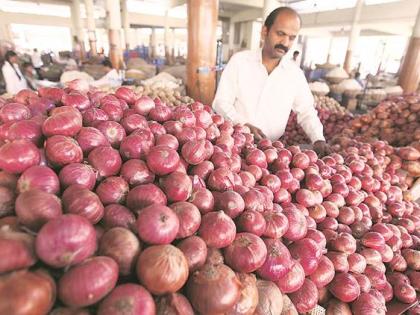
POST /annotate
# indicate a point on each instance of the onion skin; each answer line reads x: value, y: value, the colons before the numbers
x: 18, y: 155
x: 246, y: 254
x: 121, y: 245
x: 220, y: 222
x: 162, y: 269
x: 293, y: 280
x: 16, y: 250
x: 88, y: 282
x: 40, y: 177
x: 32, y: 293
x: 367, y: 304
x: 278, y: 261
x: 248, y: 301
x: 157, y: 224
x: 128, y: 298
x: 195, y: 251
x: 213, y: 289
x: 345, y: 287
x: 270, y: 298
x: 306, y: 298
x: 324, y: 273
x: 336, y: 307
x: 34, y: 208
x: 66, y: 240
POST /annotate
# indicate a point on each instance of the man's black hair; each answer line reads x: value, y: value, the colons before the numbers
x: 9, y: 54
x: 296, y: 53
x: 269, y: 21
x: 107, y: 63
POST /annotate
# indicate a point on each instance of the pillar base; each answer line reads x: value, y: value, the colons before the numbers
x: 410, y: 72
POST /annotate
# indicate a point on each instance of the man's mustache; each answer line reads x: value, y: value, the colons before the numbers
x: 282, y: 47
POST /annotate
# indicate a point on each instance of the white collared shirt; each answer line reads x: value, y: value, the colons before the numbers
x: 248, y: 94
x: 14, y: 84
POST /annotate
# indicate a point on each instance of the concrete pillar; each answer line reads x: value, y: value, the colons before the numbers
x: 114, y: 32
x: 231, y: 38
x: 330, y: 49
x: 77, y: 30
x: 153, y: 43
x: 202, y: 25
x: 354, y: 35
x: 410, y: 71
x: 125, y: 24
x: 167, y: 39
x: 91, y: 27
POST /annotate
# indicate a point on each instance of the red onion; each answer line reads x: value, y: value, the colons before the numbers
x: 66, y: 240
x: 345, y: 287
x: 217, y: 229
x: 116, y: 215
x: 141, y: 301
x: 88, y: 282
x: 162, y: 160
x: 376, y: 277
x: 177, y: 186
x: 195, y: 251
x: 36, y: 207
x: 77, y: 173
x: 357, y: 263
x: 293, y: 279
x: 278, y: 261
x: 136, y: 172
x: 105, y: 160
x: 213, y: 289
x: 145, y: 195
x: 157, y: 224
x: 14, y: 112
x: 203, y: 199
x: 33, y: 292
x: 90, y: 138
x: 144, y: 105
x: 38, y: 177
x: 324, y: 273
x: 66, y: 123
x: 112, y: 190
x: 231, y: 203
x: 270, y: 300
x: 306, y: 252
x: 413, y: 258
x: 405, y: 293
x: 18, y: 155
x: 221, y: 179
x: 61, y: 150
x: 373, y: 240
x: 189, y: 218
x: 276, y: 224
x: 297, y: 225
x: 121, y: 245
x: 306, y: 298
x: 156, y: 258
x: 368, y: 304
x: 113, y: 110
x: 25, y: 129
x: 339, y: 261
x: 79, y: 200
x: 94, y: 115
x: 17, y: 250
x: 247, y: 253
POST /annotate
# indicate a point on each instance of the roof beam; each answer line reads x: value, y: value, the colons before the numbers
x: 246, y: 3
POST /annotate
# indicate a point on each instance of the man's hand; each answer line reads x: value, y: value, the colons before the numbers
x: 258, y: 134
x: 321, y: 148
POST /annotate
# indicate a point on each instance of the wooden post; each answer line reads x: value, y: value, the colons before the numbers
x: 354, y: 35
x: 410, y: 71
x: 167, y: 39
x: 202, y: 24
x: 77, y: 29
x: 114, y: 29
x: 91, y: 27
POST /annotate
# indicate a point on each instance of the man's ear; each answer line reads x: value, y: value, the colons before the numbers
x: 264, y: 32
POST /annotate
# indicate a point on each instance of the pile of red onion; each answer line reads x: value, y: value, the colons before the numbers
x: 117, y: 203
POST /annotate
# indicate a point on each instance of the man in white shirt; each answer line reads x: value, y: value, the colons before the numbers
x: 261, y: 88
x: 13, y: 77
x: 111, y: 78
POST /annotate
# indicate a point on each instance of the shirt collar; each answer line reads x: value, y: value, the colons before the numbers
x: 258, y: 58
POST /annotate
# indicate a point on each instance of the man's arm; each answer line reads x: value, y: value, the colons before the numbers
x: 224, y: 100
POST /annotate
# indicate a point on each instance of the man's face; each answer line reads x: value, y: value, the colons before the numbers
x: 281, y: 35
x: 14, y: 59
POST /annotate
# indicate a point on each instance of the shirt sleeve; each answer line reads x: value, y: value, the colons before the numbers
x: 307, y: 115
x: 10, y: 78
x: 224, y: 100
